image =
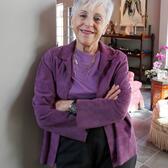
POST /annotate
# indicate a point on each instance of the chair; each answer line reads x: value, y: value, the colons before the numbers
x: 137, y: 101
x: 158, y: 134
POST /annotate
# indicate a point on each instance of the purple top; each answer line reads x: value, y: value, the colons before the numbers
x: 85, y: 75
x: 53, y: 82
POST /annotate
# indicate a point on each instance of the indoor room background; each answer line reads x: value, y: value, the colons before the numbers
x: 27, y: 29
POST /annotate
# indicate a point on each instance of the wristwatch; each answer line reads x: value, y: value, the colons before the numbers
x: 72, y: 108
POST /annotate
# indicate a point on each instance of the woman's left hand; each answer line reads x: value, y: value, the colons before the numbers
x: 113, y: 92
x: 63, y: 105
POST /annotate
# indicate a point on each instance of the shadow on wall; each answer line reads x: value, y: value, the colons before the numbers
x: 24, y: 135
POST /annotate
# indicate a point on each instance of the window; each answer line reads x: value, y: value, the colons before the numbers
x: 71, y: 35
x: 167, y: 50
x: 163, y: 35
x: 59, y: 24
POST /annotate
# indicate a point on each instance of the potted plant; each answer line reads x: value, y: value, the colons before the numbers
x: 159, y: 70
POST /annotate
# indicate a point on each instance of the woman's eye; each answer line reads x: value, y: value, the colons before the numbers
x: 83, y: 16
x: 97, y: 19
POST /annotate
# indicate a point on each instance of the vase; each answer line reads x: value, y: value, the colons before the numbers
x: 161, y: 74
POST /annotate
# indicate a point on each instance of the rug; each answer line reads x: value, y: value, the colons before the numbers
x: 143, y: 114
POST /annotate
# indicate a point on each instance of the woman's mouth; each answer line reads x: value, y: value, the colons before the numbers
x: 87, y: 32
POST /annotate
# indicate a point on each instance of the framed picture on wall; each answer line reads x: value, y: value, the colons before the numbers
x: 133, y: 12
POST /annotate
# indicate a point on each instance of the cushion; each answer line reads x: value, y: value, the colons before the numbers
x: 158, y: 134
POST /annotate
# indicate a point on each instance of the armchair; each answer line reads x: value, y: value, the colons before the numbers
x: 158, y: 134
x: 137, y: 101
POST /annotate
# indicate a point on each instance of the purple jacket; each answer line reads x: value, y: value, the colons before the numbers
x: 53, y: 82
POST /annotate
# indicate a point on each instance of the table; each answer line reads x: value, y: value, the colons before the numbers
x: 159, y: 90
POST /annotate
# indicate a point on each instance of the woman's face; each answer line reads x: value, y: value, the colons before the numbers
x: 89, y: 24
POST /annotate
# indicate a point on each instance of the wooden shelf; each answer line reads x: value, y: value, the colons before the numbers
x: 138, y: 55
x: 132, y: 54
x: 123, y: 36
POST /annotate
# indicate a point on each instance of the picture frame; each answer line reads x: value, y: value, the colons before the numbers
x: 133, y: 12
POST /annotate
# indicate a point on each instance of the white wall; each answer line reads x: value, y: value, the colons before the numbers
x: 27, y: 29
x: 163, y: 23
x: 153, y: 10
x: 163, y: 34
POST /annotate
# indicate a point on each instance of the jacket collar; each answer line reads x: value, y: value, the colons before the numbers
x: 69, y: 49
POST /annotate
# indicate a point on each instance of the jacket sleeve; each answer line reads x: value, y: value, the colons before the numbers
x: 99, y: 111
x: 48, y: 118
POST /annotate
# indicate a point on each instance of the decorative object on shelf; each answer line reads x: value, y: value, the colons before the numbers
x: 117, y: 28
x: 133, y: 12
x: 139, y: 53
x: 111, y: 28
x: 159, y: 69
x: 129, y: 30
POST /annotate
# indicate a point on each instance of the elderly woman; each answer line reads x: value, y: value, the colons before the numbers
x: 81, y: 97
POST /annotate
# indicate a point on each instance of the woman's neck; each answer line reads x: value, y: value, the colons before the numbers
x: 88, y: 49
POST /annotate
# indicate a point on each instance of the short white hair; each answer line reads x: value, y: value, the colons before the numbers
x: 108, y: 5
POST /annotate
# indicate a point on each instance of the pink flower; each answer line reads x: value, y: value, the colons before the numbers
x: 164, y: 47
x: 160, y: 56
x: 157, y: 65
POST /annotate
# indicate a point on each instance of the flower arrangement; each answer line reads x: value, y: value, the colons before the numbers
x: 159, y: 64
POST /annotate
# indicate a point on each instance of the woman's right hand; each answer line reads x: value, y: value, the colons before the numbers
x: 113, y: 92
x: 63, y: 105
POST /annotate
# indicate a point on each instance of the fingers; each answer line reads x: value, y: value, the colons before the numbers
x: 110, y: 91
x: 113, y: 92
x: 58, y: 105
x: 115, y: 95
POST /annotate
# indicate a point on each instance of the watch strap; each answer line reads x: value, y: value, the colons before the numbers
x: 72, y: 109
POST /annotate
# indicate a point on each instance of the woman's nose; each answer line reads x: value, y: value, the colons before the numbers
x: 89, y: 21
